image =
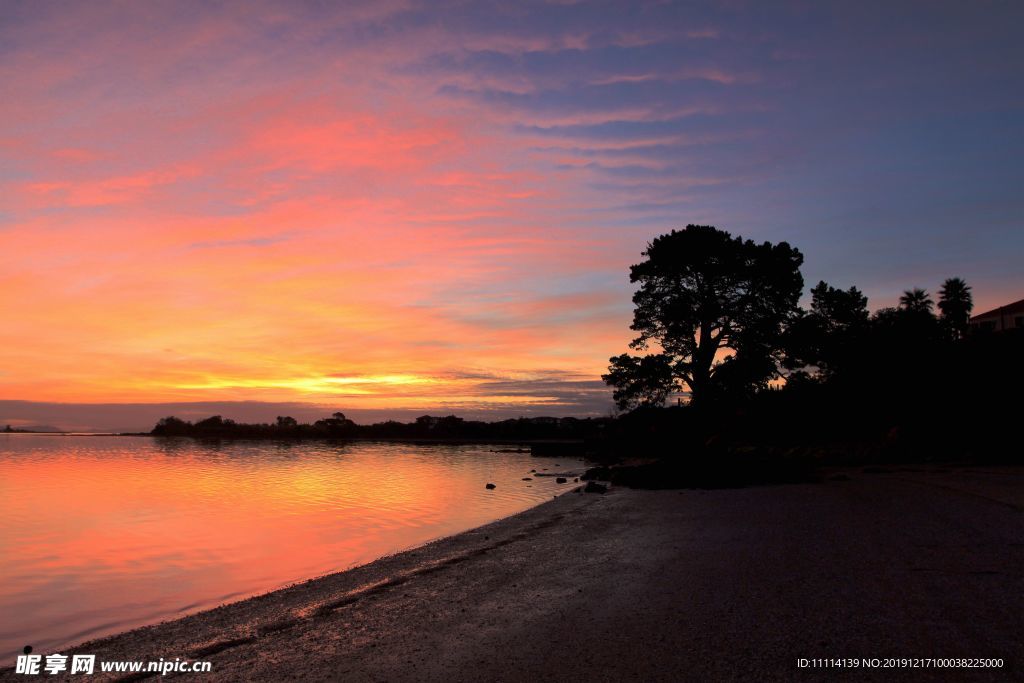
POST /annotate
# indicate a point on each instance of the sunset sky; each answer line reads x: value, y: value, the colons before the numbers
x: 400, y: 207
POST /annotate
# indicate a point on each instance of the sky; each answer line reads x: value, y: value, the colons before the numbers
x: 399, y: 207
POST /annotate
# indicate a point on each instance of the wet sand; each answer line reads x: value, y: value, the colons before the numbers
x: 654, y: 586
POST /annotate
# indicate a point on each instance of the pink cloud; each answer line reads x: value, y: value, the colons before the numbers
x: 117, y: 190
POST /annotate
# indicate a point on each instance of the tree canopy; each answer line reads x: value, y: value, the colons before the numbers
x: 916, y: 300
x: 710, y: 310
x: 828, y: 336
x: 955, y: 303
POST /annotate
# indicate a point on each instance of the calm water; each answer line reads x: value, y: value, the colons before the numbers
x: 101, y: 534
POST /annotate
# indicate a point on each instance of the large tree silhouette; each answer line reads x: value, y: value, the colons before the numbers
x: 711, y: 309
x: 955, y: 303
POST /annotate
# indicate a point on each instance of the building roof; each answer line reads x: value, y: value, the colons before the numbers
x: 1008, y: 309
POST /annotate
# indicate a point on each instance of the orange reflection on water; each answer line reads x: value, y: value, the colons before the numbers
x: 99, y: 534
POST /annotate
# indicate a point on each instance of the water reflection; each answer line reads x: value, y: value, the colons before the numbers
x: 100, y: 534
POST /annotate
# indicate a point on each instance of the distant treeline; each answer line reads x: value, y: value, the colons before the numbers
x: 426, y: 427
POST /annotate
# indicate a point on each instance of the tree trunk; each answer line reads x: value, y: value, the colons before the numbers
x: 702, y: 361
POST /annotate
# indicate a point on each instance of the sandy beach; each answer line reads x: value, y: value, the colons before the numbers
x: 653, y: 585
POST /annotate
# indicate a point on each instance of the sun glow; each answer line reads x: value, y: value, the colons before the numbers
x: 379, y: 391
x: 364, y: 385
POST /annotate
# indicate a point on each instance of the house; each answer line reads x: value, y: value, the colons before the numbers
x: 1008, y: 317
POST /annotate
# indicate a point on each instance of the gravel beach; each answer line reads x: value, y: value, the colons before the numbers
x: 654, y: 586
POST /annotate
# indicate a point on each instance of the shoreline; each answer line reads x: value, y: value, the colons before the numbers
x: 311, y: 597
x: 732, y: 584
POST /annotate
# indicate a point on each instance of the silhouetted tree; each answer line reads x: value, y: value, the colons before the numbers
x: 900, y: 346
x: 336, y: 425
x: 828, y: 337
x: 285, y: 422
x: 641, y: 380
x: 916, y: 300
x: 955, y: 303
x: 839, y: 310
x: 210, y: 424
x: 171, y: 426
x: 704, y: 293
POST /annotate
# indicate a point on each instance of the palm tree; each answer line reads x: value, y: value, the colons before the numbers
x: 955, y: 302
x: 916, y: 300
